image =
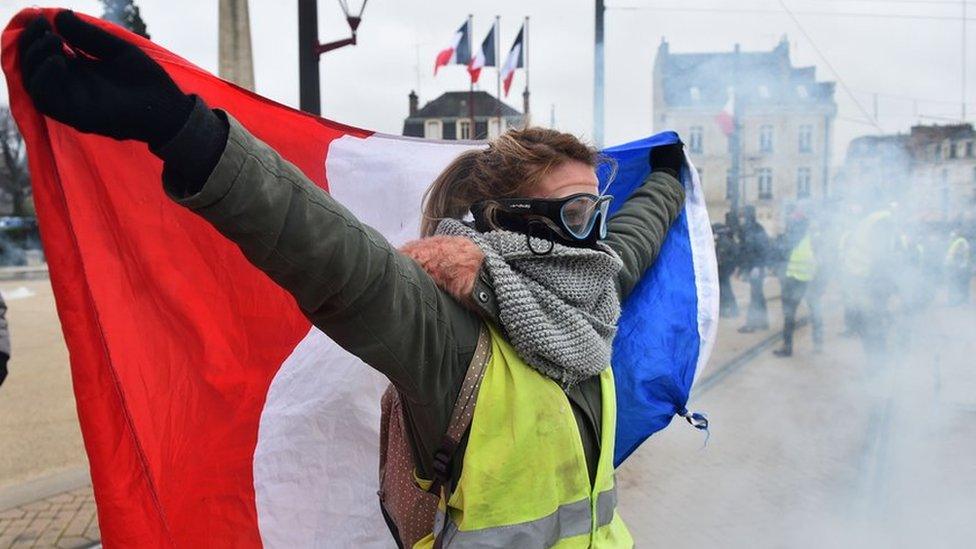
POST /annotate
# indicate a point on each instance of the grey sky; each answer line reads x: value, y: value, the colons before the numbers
x: 367, y: 85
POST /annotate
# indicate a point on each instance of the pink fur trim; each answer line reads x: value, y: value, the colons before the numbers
x: 452, y: 261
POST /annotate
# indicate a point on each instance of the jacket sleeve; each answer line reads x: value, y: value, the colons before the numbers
x: 637, y: 230
x: 347, y: 279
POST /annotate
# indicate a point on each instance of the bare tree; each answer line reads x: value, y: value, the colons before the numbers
x: 14, y: 174
x: 125, y: 13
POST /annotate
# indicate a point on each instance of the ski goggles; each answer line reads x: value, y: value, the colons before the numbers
x: 576, y: 220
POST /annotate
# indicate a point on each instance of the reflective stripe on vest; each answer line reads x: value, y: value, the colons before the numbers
x: 958, y: 254
x: 569, y: 520
x: 524, y: 480
x: 803, y: 264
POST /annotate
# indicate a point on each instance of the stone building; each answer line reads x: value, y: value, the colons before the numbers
x: 449, y: 117
x: 784, y: 119
x: 930, y: 171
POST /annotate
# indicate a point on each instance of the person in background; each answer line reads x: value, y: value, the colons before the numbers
x: 958, y: 268
x: 869, y: 258
x: 4, y: 340
x: 753, y: 252
x: 801, y: 271
x: 725, y: 251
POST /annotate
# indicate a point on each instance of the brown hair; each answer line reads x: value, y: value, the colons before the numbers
x: 510, y: 166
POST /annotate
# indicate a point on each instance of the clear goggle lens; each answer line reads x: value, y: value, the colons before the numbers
x: 579, y: 215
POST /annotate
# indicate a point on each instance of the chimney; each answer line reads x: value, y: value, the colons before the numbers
x: 413, y: 103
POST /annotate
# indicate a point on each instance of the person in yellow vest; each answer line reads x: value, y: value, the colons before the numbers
x: 869, y: 262
x: 526, y: 291
x: 801, y: 270
x: 958, y: 268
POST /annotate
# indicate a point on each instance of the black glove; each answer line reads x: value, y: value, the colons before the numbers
x: 104, y: 85
x: 668, y: 158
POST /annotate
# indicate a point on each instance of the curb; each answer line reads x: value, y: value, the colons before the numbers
x: 43, y: 487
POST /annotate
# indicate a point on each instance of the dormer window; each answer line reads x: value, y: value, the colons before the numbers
x: 695, y: 93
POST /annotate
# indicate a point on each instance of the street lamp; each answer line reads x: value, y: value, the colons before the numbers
x: 309, y: 49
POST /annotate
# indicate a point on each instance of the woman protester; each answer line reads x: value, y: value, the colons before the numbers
x: 536, y: 279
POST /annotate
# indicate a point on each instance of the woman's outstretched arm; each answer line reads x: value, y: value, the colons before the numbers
x: 637, y: 231
x: 350, y: 282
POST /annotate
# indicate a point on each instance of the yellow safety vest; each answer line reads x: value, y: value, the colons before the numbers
x: 524, y: 481
x: 803, y: 264
x: 859, y: 248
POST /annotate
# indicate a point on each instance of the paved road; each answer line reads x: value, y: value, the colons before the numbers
x: 828, y: 450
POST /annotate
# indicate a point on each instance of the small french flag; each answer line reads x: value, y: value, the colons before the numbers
x: 515, y: 60
x: 485, y: 57
x: 459, y: 52
x: 726, y: 118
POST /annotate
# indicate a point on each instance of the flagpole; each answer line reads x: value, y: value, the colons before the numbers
x: 498, y: 72
x: 471, y: 133
x: 525, y: 94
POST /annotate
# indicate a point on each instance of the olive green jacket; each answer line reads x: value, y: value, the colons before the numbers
x: 377, y: 303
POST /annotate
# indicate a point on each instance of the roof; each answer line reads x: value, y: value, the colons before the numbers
x: 934, y: 133
x: 455, y: 104
x: 768, y: 77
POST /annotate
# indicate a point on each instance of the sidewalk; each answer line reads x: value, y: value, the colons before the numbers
x: 54, y: 511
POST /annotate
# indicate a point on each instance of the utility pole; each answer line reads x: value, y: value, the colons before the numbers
x: 308, y: 61
x: 735, y: 145
x: 309, y: 50
x: 598, y: 75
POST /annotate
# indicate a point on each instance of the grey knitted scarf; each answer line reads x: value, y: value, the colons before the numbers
x: 558, y: 310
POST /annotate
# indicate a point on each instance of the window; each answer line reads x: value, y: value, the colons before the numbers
x: 969, y: 149
x: 766, y: 138
x: 806, y: 138
x: 952, y: 150
x: 938, y: 151
x: 494, y: 128
x: 801, y: 91
x: 765, y: 176
x: 695, y: 93
x: 432, y: 129
x: 803, y: 182
x: 695, y: 139
x: 764, y: 91
x: 730, y: 185
x: 464, y: 129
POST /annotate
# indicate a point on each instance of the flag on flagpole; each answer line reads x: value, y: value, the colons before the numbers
x: 515, y: 60
x: 726, y: 118
x: 212, y: 411
x: 485, y: 56
x: 459, y: 52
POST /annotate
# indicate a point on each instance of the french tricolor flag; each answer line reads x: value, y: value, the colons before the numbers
x: 515, y: 60
x: 726, y: 118
x: 213, y: 413
x: 459, y: 52
x: 485, y: 56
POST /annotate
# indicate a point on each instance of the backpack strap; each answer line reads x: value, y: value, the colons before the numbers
x: 461, y: 418
x: 463, y: 412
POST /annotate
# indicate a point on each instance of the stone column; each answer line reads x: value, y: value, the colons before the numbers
x: 235, y: 63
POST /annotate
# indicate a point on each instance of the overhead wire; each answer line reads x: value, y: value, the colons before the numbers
x: 823, y: 57
x: 674, y: 9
